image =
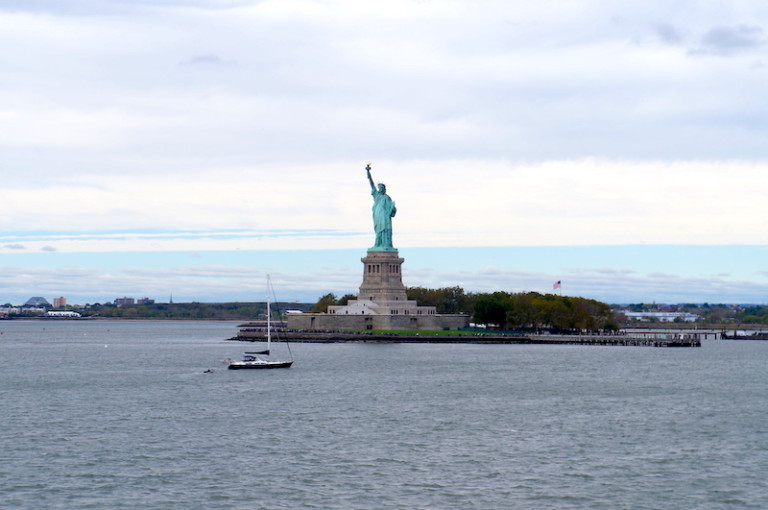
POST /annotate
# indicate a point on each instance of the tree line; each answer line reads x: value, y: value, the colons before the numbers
x: 194, y: 310
x: 532, y: 311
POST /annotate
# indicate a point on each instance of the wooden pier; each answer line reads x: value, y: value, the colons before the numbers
x: 671, y: 340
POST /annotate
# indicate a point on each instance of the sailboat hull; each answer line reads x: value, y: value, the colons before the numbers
x: 240, y: 365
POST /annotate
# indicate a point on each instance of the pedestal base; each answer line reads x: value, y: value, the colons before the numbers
x: 382, y: 277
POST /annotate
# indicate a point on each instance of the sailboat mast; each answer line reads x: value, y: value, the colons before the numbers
x: 269, y: 324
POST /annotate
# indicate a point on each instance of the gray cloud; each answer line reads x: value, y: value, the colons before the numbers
x: 14, y: 247
x: 464, y: 84
x: 730, y: 40
x: 48, y: 248
x: 668, y: 33
x: 208, y: 59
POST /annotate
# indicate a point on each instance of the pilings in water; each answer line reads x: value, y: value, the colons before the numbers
x: 669, y: 340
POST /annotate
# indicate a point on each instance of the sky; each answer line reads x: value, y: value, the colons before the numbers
x: 188, y: 148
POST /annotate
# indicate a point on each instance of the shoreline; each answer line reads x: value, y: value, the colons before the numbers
x: 670, y: 340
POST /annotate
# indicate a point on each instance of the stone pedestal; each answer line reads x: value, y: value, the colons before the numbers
x: 382, y: 292
x: 382, y: 277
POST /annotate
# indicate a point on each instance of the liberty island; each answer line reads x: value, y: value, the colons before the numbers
x: 382, y: 305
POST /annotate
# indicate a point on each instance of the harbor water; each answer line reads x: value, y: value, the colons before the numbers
x: 143, y: 415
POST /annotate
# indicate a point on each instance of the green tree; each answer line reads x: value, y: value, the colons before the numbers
x: 453, y: 300
x: 521, y: 314
x: 445, y: 300
x: 424, y: 296
x: 491, y: 309
x: 346, y: 298
x: 324, y: 302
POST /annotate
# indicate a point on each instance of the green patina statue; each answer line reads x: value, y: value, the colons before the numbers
x: 383, y: 211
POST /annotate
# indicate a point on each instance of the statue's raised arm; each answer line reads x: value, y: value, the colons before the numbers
x: 370, y: 179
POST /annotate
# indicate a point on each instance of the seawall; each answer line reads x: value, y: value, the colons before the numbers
x: 673, y: 340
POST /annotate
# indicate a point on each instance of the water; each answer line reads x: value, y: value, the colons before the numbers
x: 122, y: 415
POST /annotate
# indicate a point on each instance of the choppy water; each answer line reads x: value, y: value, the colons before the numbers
x: 120, y: 415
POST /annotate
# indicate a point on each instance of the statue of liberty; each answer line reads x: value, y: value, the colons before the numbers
x: 383, y: 211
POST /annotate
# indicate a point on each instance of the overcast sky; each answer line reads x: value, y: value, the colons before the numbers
x: 151, y: 147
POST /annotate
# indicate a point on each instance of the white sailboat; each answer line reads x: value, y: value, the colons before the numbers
x: 260, y: 359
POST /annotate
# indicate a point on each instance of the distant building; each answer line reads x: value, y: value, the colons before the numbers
x: 145, y: 301
x: 62, y: 314
x: 59, y: 302
x: 32, y: 309
x: 661, y: 316
x: 125, y: 301
x: 37, y: 302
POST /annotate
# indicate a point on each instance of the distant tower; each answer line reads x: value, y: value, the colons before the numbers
x: 171, y: 301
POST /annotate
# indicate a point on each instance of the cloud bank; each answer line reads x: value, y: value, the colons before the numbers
x: 179, y: 126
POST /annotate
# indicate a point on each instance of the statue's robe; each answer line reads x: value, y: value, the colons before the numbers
x: 383, y: 210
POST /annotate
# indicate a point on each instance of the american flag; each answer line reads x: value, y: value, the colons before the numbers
x: 556, y: 285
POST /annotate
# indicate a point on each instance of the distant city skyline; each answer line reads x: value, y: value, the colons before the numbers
x: 193, y: 146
